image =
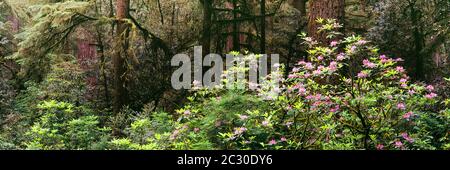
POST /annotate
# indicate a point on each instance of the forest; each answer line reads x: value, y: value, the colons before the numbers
x: 343, y: 75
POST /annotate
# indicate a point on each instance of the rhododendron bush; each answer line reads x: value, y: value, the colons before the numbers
x: 346, y: 95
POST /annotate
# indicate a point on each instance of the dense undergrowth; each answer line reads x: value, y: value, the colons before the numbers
x: 346, y: 96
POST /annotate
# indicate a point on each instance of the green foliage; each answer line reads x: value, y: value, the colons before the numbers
x: 65, y: 83
x: 63, y: 126
x: 343, y: 96
x: 423, y: 28
x: 4, y: 145
x: 51, y: 25
x: 347, y: 97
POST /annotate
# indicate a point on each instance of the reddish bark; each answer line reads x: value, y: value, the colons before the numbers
x: 87, y: 59
x: 325, y: 9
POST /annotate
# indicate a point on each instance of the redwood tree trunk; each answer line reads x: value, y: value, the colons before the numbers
x: 326, y: 9
x: 120, y: 68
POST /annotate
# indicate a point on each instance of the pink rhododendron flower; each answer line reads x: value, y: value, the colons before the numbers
x: 289, y: 107
x: 309, y: 97
x: 340, y: 57
x: 196, y: 129
x: 309, y: 66
x: 390, y: 97
x: 239, y: 130
x: 297, y: 86
x: 321, y: 67
x: 272, y: 142
x: 431, y: 95
x: 430, y: 88
x: 317, y: 103
x: 197, y: 83
x: 398, y: 144
x: 383, y: 57
x: 407, y: 138
x: 333, y: 66
x: 368, y: 64
x: 265, y: 123
x: 352, y: 49
x: 302, y: 91
x: 400, y: 69
x: 408, y: 115
x: 398, y: 59
x: 307, y: 75
x: 174, y: 134
x: 401, y: 106
x: 320, y: 58
x: 403, y: 80
x: 335, y: 109
x: 243, y: 117
x: 333, y: 43
x: 385, y: 60
x: 292, y: 76
x: 283, y: 139
x: 362, y: 75
x: 187, y: 113
x: 317, y: 72
x: 318, y: 97
x: 380, y: 147
x: 361, y: 42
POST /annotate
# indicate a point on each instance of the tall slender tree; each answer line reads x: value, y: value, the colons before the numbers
x: 207, y: 24
x: 263, y: 27
x: 418, y: 40
x: 236, y: 42
x: 119, y: 60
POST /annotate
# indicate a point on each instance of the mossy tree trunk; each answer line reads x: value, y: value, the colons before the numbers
x: 119, y: 60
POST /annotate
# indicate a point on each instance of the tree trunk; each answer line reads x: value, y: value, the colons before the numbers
x: 207, y: 24
x: 263, y: 27
x: 418, y: 44
x: 236, y: 42
x: 325, y: 9
x: 120, y: 67
x: 161, y: 15
x: 300, y: 5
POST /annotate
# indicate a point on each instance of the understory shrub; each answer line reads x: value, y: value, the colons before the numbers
x: 63, y: 126
x: 345, y: 96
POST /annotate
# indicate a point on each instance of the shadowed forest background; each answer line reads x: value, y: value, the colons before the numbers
x: 96, y: 74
